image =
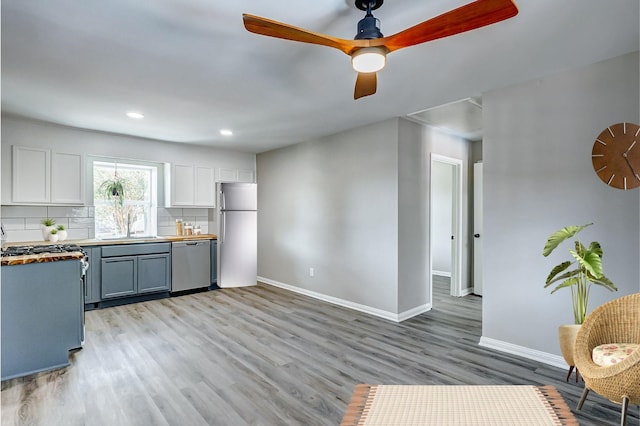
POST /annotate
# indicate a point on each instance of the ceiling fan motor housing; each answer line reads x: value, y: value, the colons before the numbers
x: 368, y: 28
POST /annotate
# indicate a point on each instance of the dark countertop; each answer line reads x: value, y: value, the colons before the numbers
x: 52, y: 257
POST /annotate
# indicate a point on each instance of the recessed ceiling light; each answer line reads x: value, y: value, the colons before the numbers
x: 135, y: 115
x: 226, y: 132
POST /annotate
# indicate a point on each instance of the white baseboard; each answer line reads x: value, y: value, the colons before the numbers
x: 544, y: 357
x: 441, y: 273
x: 348, y: 304
x: 466, y: 291
x: 414, y: 312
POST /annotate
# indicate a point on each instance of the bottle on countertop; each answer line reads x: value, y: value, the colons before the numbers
x: 197, y: 230
x: 179, y: 227
x: 188, y: 229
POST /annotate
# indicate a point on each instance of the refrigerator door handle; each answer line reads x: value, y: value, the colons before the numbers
x: 222, y: 227
x: 222, y: 201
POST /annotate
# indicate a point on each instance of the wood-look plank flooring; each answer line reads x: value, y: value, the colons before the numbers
x: 265, y: 356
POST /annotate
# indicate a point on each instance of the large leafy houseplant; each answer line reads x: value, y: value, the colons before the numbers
x: 587, y: 271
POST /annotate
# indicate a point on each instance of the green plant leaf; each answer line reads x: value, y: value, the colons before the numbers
x: 114, y: 189
x: 48, y: 222
x: 559, y: 236
x: 555, y: 271
x: 590, y: 261
x: 596, y: 248
x: 566, y: 275
x: 604, y: 282
x: 567, y: 283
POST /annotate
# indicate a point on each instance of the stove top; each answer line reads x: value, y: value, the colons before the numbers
x: 40, y: 249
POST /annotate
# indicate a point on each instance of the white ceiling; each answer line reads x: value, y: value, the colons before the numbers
x: 192, y: 68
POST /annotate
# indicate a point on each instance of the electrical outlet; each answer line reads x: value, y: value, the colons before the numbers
x: 311, y: 272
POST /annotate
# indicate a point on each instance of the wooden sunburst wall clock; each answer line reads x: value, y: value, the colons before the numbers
x: 616, y: 156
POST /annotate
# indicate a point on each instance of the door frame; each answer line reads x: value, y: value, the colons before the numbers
x: 456, y: 224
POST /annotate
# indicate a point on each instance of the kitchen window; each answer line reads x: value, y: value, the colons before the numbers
x: 125, y: 199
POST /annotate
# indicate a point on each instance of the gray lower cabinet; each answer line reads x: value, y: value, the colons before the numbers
x: 41, y: 316
x: 119, y: 276
x: 154, y: 273
x: 134, y: 269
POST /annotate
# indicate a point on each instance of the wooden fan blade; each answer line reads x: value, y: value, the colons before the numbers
x: 267, y: 27
x: 366, y: 84
x: 465, y: 18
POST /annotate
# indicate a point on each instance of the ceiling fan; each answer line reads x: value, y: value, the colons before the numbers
x: 369, y: 49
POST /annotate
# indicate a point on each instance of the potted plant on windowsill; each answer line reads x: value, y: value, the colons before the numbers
x: 48, y: 225
x: 587, y: 271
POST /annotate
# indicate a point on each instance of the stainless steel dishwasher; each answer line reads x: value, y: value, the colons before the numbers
x: 190, y: 265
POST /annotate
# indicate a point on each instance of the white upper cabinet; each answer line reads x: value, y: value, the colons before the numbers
x: 189, y: 186
x: 246, y: 176
x: 182, y: 185
x: 227, y: 175
x: 67, y: 178
x: 204, y: 191
x: 236, y: 175
x: 40, y: 176
x: 30, y: 172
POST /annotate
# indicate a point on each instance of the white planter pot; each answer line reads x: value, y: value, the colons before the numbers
x: 46, y: 231
x: 53, y: 238
x: 62, y: 235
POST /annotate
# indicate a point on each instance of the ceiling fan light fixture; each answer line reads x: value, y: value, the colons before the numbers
x: 369, y: 59
x: 135, y: 115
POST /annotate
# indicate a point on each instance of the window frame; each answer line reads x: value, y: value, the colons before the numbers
x: 156, y: 190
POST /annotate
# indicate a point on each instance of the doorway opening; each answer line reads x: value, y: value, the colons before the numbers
x: 445, y: 225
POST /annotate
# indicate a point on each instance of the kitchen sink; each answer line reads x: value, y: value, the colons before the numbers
x: 149, y: 237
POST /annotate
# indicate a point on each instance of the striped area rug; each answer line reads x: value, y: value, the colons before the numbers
x: 414, y: 405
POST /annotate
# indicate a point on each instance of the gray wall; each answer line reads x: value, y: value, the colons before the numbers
x: 538, y: 178
x: 332, y: 205
x: 354, y: 206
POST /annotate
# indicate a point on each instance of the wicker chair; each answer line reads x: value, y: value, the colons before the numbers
x: 617, y: 321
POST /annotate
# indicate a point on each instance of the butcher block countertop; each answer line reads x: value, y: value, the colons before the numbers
x: 52, y: 257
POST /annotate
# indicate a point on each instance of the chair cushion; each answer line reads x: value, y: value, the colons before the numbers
x: 613, y: 353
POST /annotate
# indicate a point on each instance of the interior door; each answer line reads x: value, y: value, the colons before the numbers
x: 456, y: 235
x: 477, y: 228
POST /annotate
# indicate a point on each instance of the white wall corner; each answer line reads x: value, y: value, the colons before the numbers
x: 402, y: 316
x: 466, y: 291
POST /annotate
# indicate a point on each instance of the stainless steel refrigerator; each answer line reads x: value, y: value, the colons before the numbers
x: 237, y: 234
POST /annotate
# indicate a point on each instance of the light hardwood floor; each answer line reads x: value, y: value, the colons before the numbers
x: 264, y: 356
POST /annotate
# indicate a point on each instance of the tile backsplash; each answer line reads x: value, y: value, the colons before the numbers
x: 167, y: 219
x: 22, y: 223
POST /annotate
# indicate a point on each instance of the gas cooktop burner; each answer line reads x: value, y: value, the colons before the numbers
x: 48, y: 248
